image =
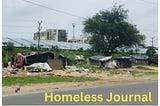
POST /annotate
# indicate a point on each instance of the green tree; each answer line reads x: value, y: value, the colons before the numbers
x: 110, y: 30
x: 9, y: 48
x: 150, y: 52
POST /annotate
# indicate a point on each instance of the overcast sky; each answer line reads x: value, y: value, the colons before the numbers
x: 19, y: 18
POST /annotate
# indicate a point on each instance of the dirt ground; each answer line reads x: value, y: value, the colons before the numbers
x: 105, y: 77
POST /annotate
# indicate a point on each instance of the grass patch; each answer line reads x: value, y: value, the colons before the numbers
x: 113, y: 71
x: 151, y: 73
x: 151, y: 65
x: 137, y: 73
x: 7, y: 81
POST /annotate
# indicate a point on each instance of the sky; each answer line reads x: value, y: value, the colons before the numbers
x: 20, y: 18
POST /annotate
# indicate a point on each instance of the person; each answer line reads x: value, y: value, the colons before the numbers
x: 18, y: 61
x: 12, y: 60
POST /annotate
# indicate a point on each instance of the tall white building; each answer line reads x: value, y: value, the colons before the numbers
x: 52, y: 34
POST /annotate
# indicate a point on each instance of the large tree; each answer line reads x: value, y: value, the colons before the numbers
x: 111, y: 30
x: 151, y: 51
x: 9, y: 47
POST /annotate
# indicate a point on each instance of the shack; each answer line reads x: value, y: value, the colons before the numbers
x: 64, y: 61
x: 153, y: 60
x: 139, y: 59
x: 40, y: 60
x: 99, y: 60
x: 109, y: 62
x: 37, y: 58
x: 124, y: 62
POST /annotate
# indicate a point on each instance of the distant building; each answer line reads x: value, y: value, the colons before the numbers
x: 52, y: 34
x: 82, y: 39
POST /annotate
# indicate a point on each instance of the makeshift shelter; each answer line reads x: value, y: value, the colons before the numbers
x: 38, y: 58
x: 153, y: 60
x: 34, y: 61
x: 56, y: 63
x: 64, y: 61
x: 53, y: 60
x: 99, y: 60
x: 139, y: 59
x: 124, y: 62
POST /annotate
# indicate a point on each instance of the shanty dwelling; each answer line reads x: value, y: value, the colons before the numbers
x: 64, y: 61
x: 45, y: 60
x: 37, y: 58
x: 153, y: 60
x: 37, y: 61
x: 56, y: 63
x: 139, y: 59
x: 99, y: 60
x: 124, y: 62
x: 110, y: 63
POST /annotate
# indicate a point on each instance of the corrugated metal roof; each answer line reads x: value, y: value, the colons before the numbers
x: 21, y: 42
x: 100, y: 58
x: 141, y: 57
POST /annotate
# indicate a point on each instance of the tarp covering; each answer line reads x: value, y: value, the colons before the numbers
x: 100, y: 58
x: 105, y: 58
x: 124, y: 62
x: 38, y: 58
x: 44, y: 66
x: 79, y: 57
x: 111, y: 64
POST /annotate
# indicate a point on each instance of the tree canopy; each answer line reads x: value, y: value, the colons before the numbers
x: 150, y: 52
x: 110, y: 30
x: 9, y: 47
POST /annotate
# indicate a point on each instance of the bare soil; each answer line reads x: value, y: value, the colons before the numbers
x: 122, y: 75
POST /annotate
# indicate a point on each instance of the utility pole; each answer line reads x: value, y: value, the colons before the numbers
x: 73, y: 24
x: 152, y: 41
x: 39, y: 32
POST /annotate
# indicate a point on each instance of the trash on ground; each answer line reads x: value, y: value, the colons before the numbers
x: 16, y: 88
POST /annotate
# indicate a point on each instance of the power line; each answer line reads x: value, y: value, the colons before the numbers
x: 155, y: 32
x: 63, y: 12
x: 150, y: 29
x: 149, y: 2
x: 18, y: 26
x: 16, y: 32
